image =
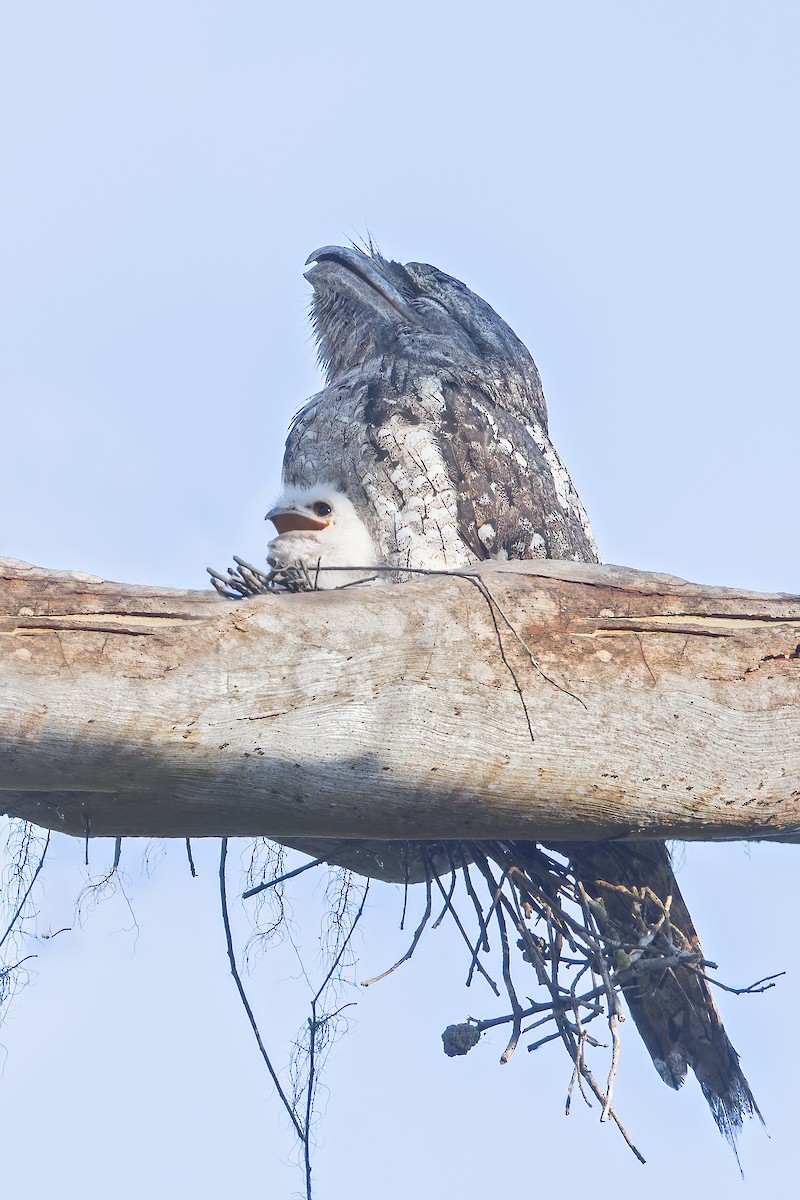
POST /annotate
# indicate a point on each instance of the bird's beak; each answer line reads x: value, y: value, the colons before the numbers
x: 286, y: 520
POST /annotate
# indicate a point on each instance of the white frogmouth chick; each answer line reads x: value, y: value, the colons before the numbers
x: 318, y: 526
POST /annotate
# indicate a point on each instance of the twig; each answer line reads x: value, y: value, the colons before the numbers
x: 344, y: 944
x: 449, y: 907
x: 448, y: 896
x: 312, y: 1027
x: 28, y: 889
x: 752, y: 989
x: 551, y: 1037
x: 405, y: 886
x: 271, y: 883
x: 484, y: 939
x: 497, y: 894
x: 417, y: 935
x: 4, y: 971
x: 301, y: 1133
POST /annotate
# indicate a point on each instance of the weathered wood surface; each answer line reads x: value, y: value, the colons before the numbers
x: 657, y: 708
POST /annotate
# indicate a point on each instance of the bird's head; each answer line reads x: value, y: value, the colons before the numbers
x: 369, y: 312
x: 309, y: 510
x: 319, y: 525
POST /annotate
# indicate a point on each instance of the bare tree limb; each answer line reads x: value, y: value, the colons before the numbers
x: 380, y: 712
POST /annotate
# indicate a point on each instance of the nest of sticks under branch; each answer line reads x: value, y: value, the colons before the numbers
x: 547, y: 925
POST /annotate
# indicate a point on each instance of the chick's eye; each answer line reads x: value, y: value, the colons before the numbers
x: 322, y: 509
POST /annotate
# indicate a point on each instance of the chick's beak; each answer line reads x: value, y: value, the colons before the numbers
x: 286, y: 520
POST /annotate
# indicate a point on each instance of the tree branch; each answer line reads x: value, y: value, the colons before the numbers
x: 657, y: 708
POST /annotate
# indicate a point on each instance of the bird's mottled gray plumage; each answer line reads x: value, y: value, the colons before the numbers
x: 433, y: 422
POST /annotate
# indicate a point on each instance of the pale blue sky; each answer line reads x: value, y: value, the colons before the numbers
x: 620, y: 182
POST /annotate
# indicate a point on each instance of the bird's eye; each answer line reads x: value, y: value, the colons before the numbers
x: 321, y: 509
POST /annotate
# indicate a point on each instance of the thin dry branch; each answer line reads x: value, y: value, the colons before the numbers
x: 299, y: 1130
